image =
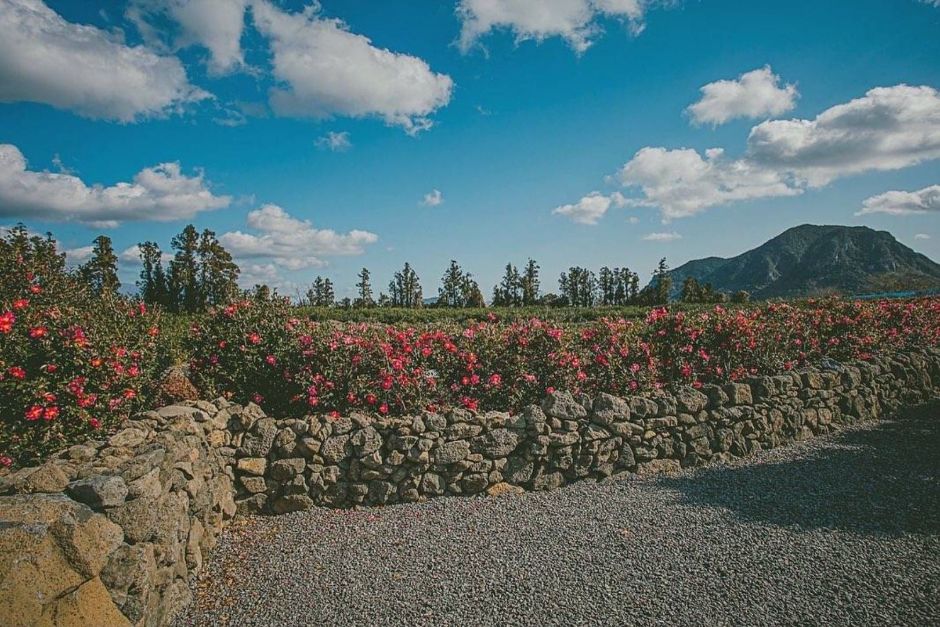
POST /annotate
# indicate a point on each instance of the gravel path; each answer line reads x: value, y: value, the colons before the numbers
x: 839, y: 530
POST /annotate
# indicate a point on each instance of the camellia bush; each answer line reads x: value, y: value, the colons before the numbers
x: 71, y: 363
x: 262, y: 351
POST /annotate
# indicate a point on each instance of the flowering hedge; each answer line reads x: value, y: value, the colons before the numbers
x: 71, y: 363
x: 262, y: 351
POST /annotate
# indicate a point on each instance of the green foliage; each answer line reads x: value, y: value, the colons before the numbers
x: 100, y: 272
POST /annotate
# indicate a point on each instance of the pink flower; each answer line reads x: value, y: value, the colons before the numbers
x: 38, y: 332
x: 254, y: 338
x: 50, y: 413
x: 257, y: 398
x: 21, y: 303
x: 6, y: 322
x: 17, y: 373
x: 495, y: 379
x: 94, y: 423
x: 34, y: 413
x: 270, y: 359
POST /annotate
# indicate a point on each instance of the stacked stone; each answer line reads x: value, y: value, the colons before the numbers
x: 110, y: 532
x: 289, y: 465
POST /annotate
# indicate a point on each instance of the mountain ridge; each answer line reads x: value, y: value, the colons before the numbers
x: 811, y: 259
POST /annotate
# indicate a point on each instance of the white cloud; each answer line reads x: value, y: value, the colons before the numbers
x: 44, y: 58
x: 433, y: 198
x: 670, y: 236
x: 161, y: 193
x: 216, y: 25
x: 291, y: 243
x: 922, y: 235
x: 337, y: 142
x: 591, y: 208
x: 573, y: 20
x: 327, y: 70
x: 131, y: 255
x: 901, y: 203
x: 887, y: 129
x: 754, y: 94
x: 682, y: 183
x: 79, y: 255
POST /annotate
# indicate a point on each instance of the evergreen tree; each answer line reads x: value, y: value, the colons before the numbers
x: 692, y: 292
x: 578, y: 287
x: 218, y: 273
x: 185, y: 293
x: 661, y: 286
x: 405, y: 288
x: 365, y: 290
x: 450, y: 294
x: 321, y: 293
x: 100, y: 272
x: 607, y: 286
x: 509, y: 291
x: 153, y: 282
x: 530, y: 283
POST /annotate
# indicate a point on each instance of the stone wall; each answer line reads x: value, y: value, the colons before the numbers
x: 288, y: 465
x: 111, y: 532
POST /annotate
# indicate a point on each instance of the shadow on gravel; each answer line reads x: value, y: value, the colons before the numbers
x: 880, y: 481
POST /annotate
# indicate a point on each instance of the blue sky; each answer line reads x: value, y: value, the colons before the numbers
x: 513, y: 110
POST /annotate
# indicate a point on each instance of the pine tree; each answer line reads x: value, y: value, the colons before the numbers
x: 530, y: 283
x: 321, y: 293
x: 450, y: 294
x: 100, y: 272
x: 185, y: 294
x: 218, y: 273
x: 692, y: 292
x: 152, y: 284
x: 405, y: 288
x: 365, y: 290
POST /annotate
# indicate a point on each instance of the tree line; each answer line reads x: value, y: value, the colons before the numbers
x: 201, y: 273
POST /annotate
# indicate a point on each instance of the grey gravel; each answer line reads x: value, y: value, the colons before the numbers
x: 839, y: 530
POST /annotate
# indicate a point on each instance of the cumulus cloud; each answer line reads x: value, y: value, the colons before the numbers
x: 902, y: 203
x: 922, y: 235
x: 433, y: 198
x: 669, y: 236
x: 216, y: 25
x: 44, y: 58
x: 575, y: 21
x: 327, y: 70
x: 79, y: 255
x: 591, y: 208
x: 887, y: 129
x: 754, y: 94
x: 291, y: 243
x: 683, y: 183
x: 337, y: 142
x: 161, y: 193
x: 131, y: 255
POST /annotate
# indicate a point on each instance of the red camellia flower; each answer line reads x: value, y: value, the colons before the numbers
x: 34, y: 413
x: 21, y: 303
x: 495, y: 379
x: 35, y: 289
x: 270, y: 359
x: 38, y: 332
x: 383, y: 408
x: 94, y: 423
x: 5, y: 461
x: 254, y: 338
x: 50, y: 413
x: 17, y: 373
x: 257, y: 398
x: 6, y: 322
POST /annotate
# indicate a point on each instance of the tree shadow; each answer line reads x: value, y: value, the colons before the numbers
x: 880, y: 481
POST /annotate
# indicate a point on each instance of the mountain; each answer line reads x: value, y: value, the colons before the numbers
x: 809, y: 260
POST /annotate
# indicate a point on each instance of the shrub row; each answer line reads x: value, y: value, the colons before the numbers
x: 71, y: 362
x: 263, y: 352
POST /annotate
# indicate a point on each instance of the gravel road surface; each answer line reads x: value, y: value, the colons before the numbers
x: 838, y: 530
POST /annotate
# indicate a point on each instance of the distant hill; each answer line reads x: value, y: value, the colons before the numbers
x: 810, y: 260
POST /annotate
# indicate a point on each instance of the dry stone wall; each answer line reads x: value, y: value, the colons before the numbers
x: 288, y: 465
x: 111, y: 532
